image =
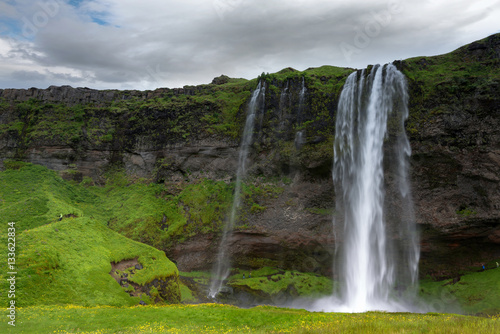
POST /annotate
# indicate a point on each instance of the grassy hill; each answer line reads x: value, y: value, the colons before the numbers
x: 64, y: 250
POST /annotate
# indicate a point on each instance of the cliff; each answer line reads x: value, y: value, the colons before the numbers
x: 184, y: 138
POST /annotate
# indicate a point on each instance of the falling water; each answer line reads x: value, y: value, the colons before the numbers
x: 378, y: 253
x: 223, y: 263
x: 302, y: 93
x: 282, y: 108
x: 300, y: 135
x: 283, y: 96
x: 299, y: 139
x: 302, y: 97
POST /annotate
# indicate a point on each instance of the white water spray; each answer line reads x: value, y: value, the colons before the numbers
x: 378, y: 250
x: 223, y: 264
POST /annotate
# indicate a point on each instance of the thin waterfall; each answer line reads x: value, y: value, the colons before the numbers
x: 299, y: 139
x: 378, y: 243
x: 300, y: 135
x: 283, y: 96
x: 223, y: 264
x: 283, y: 107
x: 302, y: 94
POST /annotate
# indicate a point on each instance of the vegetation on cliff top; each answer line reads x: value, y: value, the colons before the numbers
x: 182, y: 115
x: 459, y: 80
x: 217, y: 109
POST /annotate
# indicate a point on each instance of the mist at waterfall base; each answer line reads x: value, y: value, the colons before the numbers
x: 222, y: 266
x: 377, y: 243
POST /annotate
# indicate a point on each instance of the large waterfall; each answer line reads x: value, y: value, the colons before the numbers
x: 223, y: 263
x: 378, y: 249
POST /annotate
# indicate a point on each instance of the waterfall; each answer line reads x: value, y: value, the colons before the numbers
x: 302, y: 93
x: 283, y: 96
x: 299, y: 139
x: 302, y: 97
x: 223, y: 263
x: 283, y: 107
x: 378, y: 250
x: 300, y: 135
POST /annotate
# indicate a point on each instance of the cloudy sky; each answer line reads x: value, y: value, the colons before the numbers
x: 147, y: 44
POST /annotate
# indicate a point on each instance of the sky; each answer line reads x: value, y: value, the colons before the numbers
x: 125, y: 44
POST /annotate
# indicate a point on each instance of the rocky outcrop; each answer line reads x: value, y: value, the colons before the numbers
x: 164, y: 289
x: 72, y: 96
x: 456, y: 157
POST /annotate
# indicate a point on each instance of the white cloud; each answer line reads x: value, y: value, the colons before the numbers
x: 148, y: 44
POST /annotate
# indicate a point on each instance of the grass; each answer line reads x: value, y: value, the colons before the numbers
x: 156, y: 214
x: 474, y: 293
x: 273, y: 281
x: 63, y: 247
x: 214, y: 318
x: 68, y: 262
x: 446, y: 84
x: 33, y: 196
x: 326, y: 79
x: 161, y: 215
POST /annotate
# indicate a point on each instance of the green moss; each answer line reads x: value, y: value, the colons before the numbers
x: 321, y: 211
x: 155, y: 294
x: 13, y: 164
x: 474, y: 293
x: 273, y: 281
x: 195, y: 274
x: 200, y: 277
x: 466, y: 212
x: 187, y: 295
x: 256, y: 208
x: 447, y: 84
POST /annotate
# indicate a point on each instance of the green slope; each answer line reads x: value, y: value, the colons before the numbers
x: 474, y: 293
x: 68, y: 260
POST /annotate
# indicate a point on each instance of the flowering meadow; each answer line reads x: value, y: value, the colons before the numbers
x: 216, y: 318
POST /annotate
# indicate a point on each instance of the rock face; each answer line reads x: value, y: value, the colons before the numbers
x: 172, y: 135
x: 73, y: 96
x: 158, y: 290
